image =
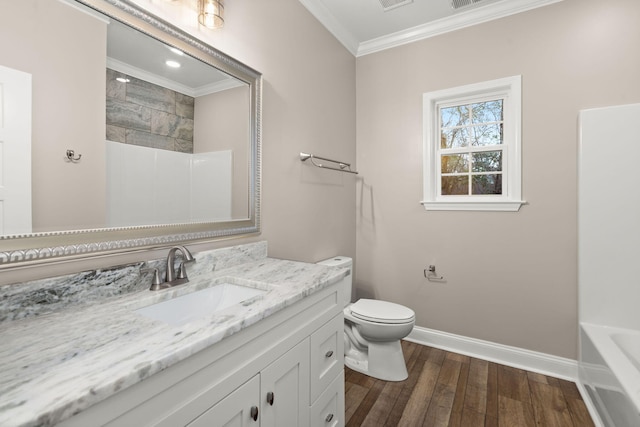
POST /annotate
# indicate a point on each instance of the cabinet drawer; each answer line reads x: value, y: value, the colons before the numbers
x: 326, y: 355
x: 328, y: 411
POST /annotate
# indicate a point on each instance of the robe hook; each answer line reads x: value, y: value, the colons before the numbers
x: 71, y: 156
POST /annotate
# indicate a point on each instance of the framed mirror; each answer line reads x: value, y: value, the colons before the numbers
x: 120, y: 132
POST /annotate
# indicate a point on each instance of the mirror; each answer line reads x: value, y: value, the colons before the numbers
x: 120, y: 150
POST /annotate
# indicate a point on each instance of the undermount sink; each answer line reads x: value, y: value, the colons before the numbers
x: 186, y: 308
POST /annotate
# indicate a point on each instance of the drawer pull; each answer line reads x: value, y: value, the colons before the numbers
x: 270, y: 397
x: 329, y: 418
x: 254, y: 413
x: 329, y: 354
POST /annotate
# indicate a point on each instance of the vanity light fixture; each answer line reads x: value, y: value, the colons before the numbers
x: 211, y: 13
x: 172, y: 64
x: 123, y: 79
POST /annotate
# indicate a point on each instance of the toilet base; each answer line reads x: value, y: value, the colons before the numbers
x: 381, y: 360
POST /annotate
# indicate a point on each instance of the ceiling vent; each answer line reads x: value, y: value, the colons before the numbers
x: 457, y: 4
x: 392, y: 4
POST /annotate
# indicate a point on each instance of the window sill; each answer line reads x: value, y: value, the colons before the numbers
x: 499, y: 206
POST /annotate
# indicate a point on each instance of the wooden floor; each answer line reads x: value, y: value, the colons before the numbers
x: 448, y: 389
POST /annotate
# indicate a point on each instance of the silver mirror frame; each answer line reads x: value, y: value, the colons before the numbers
x: 22, y: 250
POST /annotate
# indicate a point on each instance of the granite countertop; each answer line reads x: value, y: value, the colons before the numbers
x: 60, y: 363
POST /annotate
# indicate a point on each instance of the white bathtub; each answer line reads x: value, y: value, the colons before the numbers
x: 610, y: 372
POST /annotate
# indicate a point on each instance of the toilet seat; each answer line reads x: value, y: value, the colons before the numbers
x: 381, y: 311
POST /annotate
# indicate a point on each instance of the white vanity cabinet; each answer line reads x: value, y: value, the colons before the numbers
x: 275, y: 397
x: 285, y: 370
x: 236, y: 410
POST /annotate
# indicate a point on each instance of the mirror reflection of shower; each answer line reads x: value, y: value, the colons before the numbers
x: 154, y: 96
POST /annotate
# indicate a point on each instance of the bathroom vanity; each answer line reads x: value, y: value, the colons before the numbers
x: 274, y: 359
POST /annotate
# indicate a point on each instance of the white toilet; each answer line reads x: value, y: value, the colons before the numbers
x: 372, y: 332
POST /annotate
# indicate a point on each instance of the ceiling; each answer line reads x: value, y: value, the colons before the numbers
x: 366, y: 26
x: 135, y: 54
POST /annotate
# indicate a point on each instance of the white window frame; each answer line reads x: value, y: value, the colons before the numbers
x: 510, y: 90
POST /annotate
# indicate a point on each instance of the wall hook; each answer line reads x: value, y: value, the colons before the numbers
x: 71, y: 156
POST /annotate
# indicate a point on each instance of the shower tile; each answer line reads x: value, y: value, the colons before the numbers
x: 115, y: 89
x: 184, y: 146
x: 150, y: 95
x: 116, y: 133
x: 184, y: 105
x: 171, y: 125
x: 146, y: 139
x: 128, y: 115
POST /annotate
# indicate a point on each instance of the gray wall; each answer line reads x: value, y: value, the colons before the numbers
x: 222, y: 123
x: 511, y: 277
x: 62, y: 119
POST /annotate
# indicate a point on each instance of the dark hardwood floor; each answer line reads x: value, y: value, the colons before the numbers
x: 448, y: 389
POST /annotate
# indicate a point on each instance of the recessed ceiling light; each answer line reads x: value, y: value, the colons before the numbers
x: 176, y: 51
x: 123, y: 79
x: 173, y: 64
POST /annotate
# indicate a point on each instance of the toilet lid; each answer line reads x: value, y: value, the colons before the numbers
x: 381, y: 311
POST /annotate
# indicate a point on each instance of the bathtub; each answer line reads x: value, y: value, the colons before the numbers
x: 609, y: 369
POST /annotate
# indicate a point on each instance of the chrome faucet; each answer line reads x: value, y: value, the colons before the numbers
x: 171, y: 278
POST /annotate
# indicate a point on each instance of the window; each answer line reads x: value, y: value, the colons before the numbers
x: 472, y: 147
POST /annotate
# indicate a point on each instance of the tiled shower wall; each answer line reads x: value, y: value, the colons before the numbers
x: 148, y: 115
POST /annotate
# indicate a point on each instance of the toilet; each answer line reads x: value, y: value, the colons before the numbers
x: 372, y: 331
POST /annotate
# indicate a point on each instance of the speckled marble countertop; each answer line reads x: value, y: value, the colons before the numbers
x: 57, y: 364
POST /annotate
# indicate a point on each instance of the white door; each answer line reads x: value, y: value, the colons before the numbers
x: 15, y: 151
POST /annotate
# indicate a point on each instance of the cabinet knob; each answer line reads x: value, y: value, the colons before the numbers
x: 329, y: 354
x: 270, y: 397
x: 328, y: 418
x: 254, y: 413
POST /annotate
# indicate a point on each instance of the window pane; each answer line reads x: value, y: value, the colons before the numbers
x: 455, y: 163
x: 454, y: 116
x: 455, y: 185
x: 487, y: 184
x: 454, y: 138
x: 487, y: 134
x: 490, y: 111
x: 487, y: 161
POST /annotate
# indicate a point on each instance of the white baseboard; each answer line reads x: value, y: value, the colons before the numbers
x: 542, y: 363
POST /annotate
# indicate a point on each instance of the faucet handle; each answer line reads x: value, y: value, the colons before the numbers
x: 182, y: 270
x: 188, y: 259
x: 155, y: 281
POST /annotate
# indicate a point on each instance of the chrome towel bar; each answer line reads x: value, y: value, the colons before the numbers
x: 342, y: 166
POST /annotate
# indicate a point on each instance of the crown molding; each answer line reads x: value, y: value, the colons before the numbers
x: 326, y: 18
x: 455, y: 22
x: 228, y: 83
x: 462, y: 19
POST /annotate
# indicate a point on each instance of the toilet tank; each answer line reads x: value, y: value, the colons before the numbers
x: 342, y: 262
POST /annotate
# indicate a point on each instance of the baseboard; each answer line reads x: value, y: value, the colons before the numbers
x: 546, y: 364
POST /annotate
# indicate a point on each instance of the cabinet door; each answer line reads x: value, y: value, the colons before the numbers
x: 328, y: 411
x: 327, y: 355
x: 285, y: 389
x: 238, y: 409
